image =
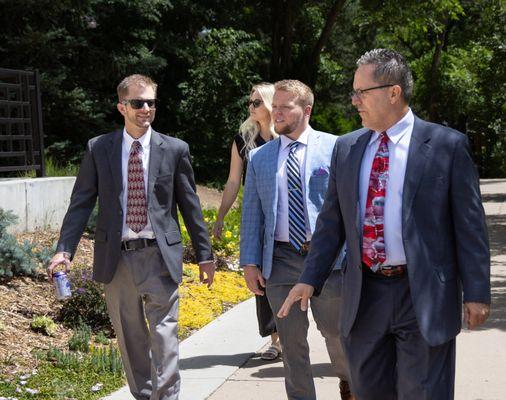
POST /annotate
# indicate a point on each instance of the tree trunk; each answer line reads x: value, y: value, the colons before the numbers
x: 314, y: 61
x: 434, y: 74
x: 284, y: 15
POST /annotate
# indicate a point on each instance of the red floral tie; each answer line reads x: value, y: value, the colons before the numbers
x: 137, y: 216
x: 373, y: 243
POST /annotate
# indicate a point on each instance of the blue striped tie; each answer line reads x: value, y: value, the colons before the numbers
x: 296, y: 218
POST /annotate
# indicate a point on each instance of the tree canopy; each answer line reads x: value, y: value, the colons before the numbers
x: 205, y: 56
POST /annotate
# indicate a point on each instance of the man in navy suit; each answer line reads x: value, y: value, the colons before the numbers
x: 404, y: 194
x: 285, y: 186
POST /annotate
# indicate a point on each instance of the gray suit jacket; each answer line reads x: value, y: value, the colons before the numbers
x: 171, y: 185
x: 444, y: 231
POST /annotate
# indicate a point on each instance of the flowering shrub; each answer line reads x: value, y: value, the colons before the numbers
x: 199, y: 305
x: 87, y: 304
x: 225, y: 249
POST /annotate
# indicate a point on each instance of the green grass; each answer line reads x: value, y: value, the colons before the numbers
x: 56, y: 383
x: 54, y: 169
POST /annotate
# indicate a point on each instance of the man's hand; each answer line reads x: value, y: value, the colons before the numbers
x: 217, y: 229
x: 302, y: 292
x: 58, y: 258
x: 206, y: 274
x: 475, y: 314
x: 254, y: 279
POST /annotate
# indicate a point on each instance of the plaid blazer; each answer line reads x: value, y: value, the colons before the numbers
x: 261, y: 195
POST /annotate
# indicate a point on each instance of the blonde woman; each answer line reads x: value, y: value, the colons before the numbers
x: 254, y: 132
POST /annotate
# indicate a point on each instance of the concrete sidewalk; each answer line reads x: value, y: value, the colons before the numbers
x: 219, y: 361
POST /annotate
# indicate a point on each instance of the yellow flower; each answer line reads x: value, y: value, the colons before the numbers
x: 228, y: 234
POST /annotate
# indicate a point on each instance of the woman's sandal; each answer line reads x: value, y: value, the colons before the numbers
x: 271, y: 353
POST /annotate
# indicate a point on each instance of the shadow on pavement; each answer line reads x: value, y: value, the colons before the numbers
x: 208, y: 361
x: 497, y: 234
x: 319, y: 371
x: 494, y: 197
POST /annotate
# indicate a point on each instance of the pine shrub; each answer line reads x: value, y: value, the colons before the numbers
x: 80, y: 339
x: 17, y: 259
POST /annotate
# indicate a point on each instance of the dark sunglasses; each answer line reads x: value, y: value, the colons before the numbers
x: 137, y: 104
x: 256, y: 103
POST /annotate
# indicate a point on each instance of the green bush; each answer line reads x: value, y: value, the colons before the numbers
x: 101, y: 338
x: 87, y: 304
x: 225, y: 249
x: 80, y: 339
x: 43, y: 325
x: 15, y: 258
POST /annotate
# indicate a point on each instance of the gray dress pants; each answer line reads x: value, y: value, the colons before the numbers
x: 142, y: 301
x: 286, y: 268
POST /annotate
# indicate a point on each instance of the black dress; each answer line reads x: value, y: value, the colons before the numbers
x: 266, y: 323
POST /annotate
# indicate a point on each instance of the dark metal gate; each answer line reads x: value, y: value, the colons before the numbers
x: 21, y: 134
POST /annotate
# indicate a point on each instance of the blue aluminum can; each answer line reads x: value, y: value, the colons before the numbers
x: 61, y: 285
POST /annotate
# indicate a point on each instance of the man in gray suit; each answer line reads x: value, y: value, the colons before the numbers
x: 285, y: 185
x: 141, y: 179
x: 404, y: 194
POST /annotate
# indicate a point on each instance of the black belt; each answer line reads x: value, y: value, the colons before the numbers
x: 137, y: 244
x: 387, y: 271
x: 304, y: 249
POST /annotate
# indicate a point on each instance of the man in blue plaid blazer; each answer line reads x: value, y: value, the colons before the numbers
x: 271, y: 261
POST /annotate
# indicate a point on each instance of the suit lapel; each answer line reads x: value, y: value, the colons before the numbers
x: 271, y: 159
x: 156, y: 152
x: 312, y: 145
x: 417, y: 157
x: 114, y: 157
x: 355, y: 161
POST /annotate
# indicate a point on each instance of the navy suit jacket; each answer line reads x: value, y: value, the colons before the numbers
x: 443, y: 229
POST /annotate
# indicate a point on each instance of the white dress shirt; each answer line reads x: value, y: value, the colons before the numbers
x: 398, y: 145
x: 281, y: 231
x: 128, y: 140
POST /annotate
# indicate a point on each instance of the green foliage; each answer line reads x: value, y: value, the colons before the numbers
x: 81, y: 339
x: 87, y: 304
x: 215, y: 94
x: 205, y: 55
x: 225, y: 249
x: 54, y: 168
x: 43, y: 324
x: 101, y: 338
x: 64, y: 375
x: 92, y: 221
x: 15, y: 258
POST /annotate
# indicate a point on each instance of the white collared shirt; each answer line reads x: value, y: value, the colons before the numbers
x: 126, y: 146
x: 398, y: 145
x: 281, y: 231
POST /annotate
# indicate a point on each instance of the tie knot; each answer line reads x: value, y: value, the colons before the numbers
x: 384, y: 136
x: 136, y: 146
x: 293, y: 146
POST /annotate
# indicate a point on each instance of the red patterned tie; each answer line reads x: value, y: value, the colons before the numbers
x: 373, y: 243
x: 137, y: 216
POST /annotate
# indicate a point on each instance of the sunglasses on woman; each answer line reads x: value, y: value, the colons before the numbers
x: 137, y: 104
x: 256, y: 103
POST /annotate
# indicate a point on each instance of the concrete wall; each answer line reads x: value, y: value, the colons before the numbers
x: 40, y: 203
